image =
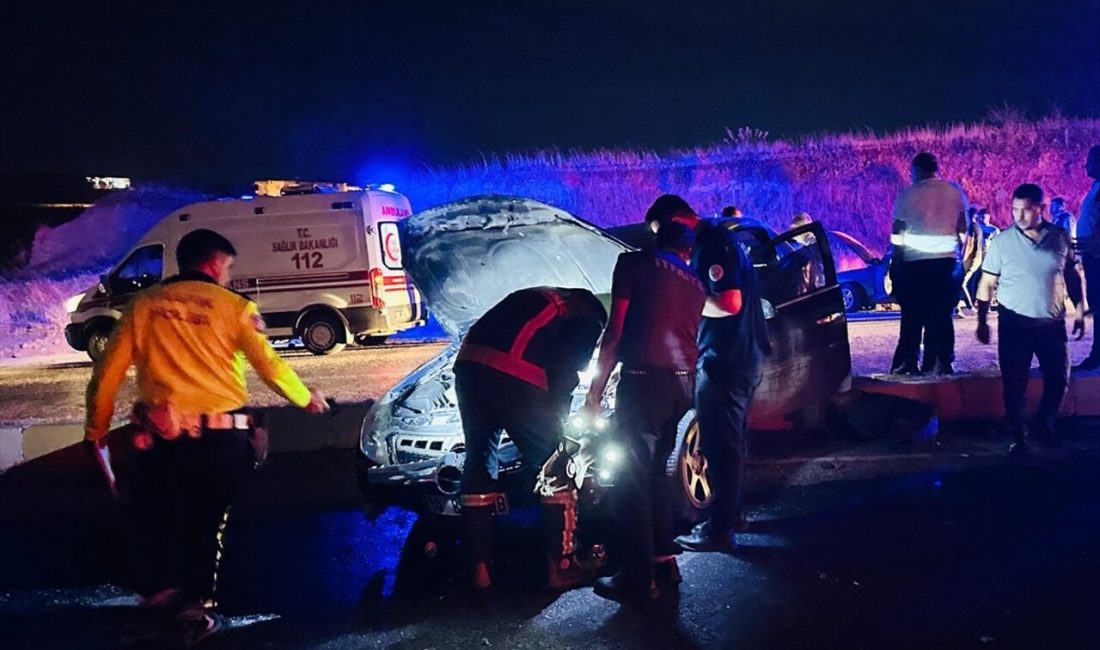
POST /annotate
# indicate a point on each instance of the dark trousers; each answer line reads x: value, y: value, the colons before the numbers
x: 180, y: 492
x: 927, y: 292
x: 723, y: 395
x: 1019, y: 339
x: 491, y: 402
x: 1092, y: 290
x: 648, y: 409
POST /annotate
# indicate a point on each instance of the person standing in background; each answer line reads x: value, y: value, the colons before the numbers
x: 1088, y: 243
x: 1033, y: 268
x: 929, y: 225
x: 1063, y: 218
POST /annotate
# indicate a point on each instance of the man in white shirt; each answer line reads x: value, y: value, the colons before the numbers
x: 929, y: 226
x: 1088, y: 243
x: 1032, y: 266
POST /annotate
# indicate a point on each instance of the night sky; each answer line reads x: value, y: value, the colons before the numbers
x: 190, y: 91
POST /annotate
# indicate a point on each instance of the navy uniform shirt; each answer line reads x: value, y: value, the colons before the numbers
x: 723, y: 265
x: 666, y: 303
x: 541, y: 335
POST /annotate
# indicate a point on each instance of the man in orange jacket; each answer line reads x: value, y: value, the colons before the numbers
x: 187, y: 338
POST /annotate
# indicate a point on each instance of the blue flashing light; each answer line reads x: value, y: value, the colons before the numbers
x: 386, y: 187
x: 246, y: 197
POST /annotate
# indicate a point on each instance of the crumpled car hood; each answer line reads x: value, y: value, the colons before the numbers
x: 467, y: 255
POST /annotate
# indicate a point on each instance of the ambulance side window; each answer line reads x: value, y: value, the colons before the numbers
x: 142, y: 269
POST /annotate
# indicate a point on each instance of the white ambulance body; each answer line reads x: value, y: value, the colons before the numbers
x: 323, y: 267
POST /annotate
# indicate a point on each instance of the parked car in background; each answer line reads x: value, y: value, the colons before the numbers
x: 864, y: 277
x: 468, y: 255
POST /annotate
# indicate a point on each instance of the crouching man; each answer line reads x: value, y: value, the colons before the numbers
x: 1032, y: 267
x: 515, y: 372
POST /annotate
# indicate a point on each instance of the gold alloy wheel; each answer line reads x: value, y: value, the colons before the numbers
x: 693, y: 470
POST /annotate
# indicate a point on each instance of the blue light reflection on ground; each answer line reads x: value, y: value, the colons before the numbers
x: 335, y: 559
x: 375, y: 549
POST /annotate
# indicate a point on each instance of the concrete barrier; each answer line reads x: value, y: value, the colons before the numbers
x: 289, y: 429
x: 969, y: 396
x: 979, y: 396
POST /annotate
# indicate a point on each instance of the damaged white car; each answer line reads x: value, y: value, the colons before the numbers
x: 468, y: 255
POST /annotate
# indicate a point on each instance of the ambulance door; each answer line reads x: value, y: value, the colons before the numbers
x: 391, y: 288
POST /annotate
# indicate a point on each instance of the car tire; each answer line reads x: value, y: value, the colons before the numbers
x: 686, y: 466
x: 322, y: 333
x: 98, y: 335
x: 853, y: 296
x: 367, y: 340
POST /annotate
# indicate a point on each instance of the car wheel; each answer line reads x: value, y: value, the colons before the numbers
x: 98, y: 335
x: 323, y: 333
x: 687, y: 467
x: 366, y: 340
x: 853, y: 297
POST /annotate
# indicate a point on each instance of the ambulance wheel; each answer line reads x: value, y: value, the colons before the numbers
x: 97, y: 341
x: 323, y: 333
x: 688, y: 468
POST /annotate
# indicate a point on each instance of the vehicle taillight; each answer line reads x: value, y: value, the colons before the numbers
x: 377, y: 285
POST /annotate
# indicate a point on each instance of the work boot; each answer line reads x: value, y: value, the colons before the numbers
x: 197, y: 625
x: 705, y: 540
x: 569, y: 572
x: 481, y: 579
x: 905, y: 369
x: 568, y: 567
x: 478, y: 540
x: 622, y: 590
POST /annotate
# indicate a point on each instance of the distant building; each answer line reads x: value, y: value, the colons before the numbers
x: 109, y: 182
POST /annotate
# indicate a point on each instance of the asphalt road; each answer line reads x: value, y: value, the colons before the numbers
x: 56, y: 391
x: 36, y: 391
x: 941, y: 550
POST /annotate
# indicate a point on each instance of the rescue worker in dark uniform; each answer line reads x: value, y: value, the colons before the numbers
x: 515, y: 372
x: 656, y: 304
x: 733, y: 341
x: 186, y: 337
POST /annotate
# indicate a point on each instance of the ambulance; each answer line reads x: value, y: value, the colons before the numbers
x: 324, y: 267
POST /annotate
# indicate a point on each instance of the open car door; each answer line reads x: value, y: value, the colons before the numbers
x: 811, y: 360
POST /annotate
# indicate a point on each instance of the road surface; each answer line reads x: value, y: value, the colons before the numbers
x: 56, y: 392
x: 948, y: 550
x: 33, y: 391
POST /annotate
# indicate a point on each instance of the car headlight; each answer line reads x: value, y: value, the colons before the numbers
x: 72, y: 303
x: 372, y: 438
x: 612, y: 454
x: 582, y: 424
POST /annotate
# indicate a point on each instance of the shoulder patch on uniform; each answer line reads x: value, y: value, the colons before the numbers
x: 258, y: 323
x: 715, y: 272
